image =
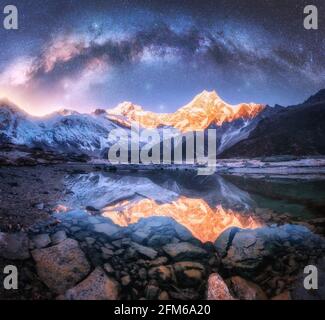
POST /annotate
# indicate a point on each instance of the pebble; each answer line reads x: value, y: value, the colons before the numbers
x: 125, y: 280
x: 58, y: 237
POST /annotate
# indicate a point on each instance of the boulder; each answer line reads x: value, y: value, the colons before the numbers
x: 224, y: 240
x: 97, y: 286
x: 41, y: 240
x: 142, y: 274
x: 250, y: 250
x: 14, y: 246
x: 145, y: 251
x: 163, y: 295
x: 58, y: 237
x: 160, y: 231
x: 90, y: 241
x: 164, y: 274
x: 126, y: 280
x: 246, y: 290
x: 111, y: 230
x: 106, y: 253
x: 158, y: 262
x: 184, y: 251
x: 159, y: 240
x: 189, y: 273
x: 108, y: 268
x: 139, y: 236
x: 61, y: 266
x: 217, y: 289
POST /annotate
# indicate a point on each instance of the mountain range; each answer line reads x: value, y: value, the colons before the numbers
x: 243, y: 130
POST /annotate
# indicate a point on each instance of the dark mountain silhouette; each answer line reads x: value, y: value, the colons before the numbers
x: 295, y: 130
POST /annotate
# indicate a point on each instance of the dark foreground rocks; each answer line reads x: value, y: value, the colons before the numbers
x: 269, y: 256
x: 97, y: 286
x: 84, y: 257
x: 14, y: 246
x: 61, y: 266
x: 218, y: 289
x: 77, y: 256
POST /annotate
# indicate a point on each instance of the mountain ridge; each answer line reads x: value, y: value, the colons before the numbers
x: 243, y: 130
x: 205, y: 109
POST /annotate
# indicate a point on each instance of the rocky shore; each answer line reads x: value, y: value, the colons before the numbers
x: 76, y: 255
x: 79, y: 254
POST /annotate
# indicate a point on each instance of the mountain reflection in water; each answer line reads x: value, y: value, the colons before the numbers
x: 204, y: 205
x: 204, y: 222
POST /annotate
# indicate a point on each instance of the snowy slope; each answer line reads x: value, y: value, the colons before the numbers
x: 69, y: 131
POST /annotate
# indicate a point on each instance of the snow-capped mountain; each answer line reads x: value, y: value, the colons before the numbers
x: 62, y: 131
x: 17, y: 126
x: 70, y: 131
x: 242, y: 130
x: 206, y: 109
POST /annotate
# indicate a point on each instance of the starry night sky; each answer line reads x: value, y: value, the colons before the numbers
x: 88, y: 54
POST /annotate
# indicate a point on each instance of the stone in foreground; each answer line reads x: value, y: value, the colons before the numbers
x: 62, y: 266
x: 249, y: 250
x: 97, y: 286
x: 246, y: 290
x: 184, y: 251
x: 58, y: 237
x: 41, y: 240
x: 108, y: 229
x: 217, y: 289
x: 145, y: 251
x: 14, y: 246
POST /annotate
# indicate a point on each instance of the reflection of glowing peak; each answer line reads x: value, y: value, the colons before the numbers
x: 204, y: 222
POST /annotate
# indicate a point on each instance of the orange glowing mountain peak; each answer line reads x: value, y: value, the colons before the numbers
x: 125, y: 108
x: 205, y: 109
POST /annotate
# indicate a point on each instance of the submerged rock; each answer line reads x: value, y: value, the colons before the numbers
x: 41, y: 240
x: 217, y: 289
x: 157, y: 231
x: 145, y: 251
x: 184, y: 251
x: 61, y: 266
x: 108, y: 229
x: 58, y: 237
x: 97, y: 286
x: 14, y: 246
